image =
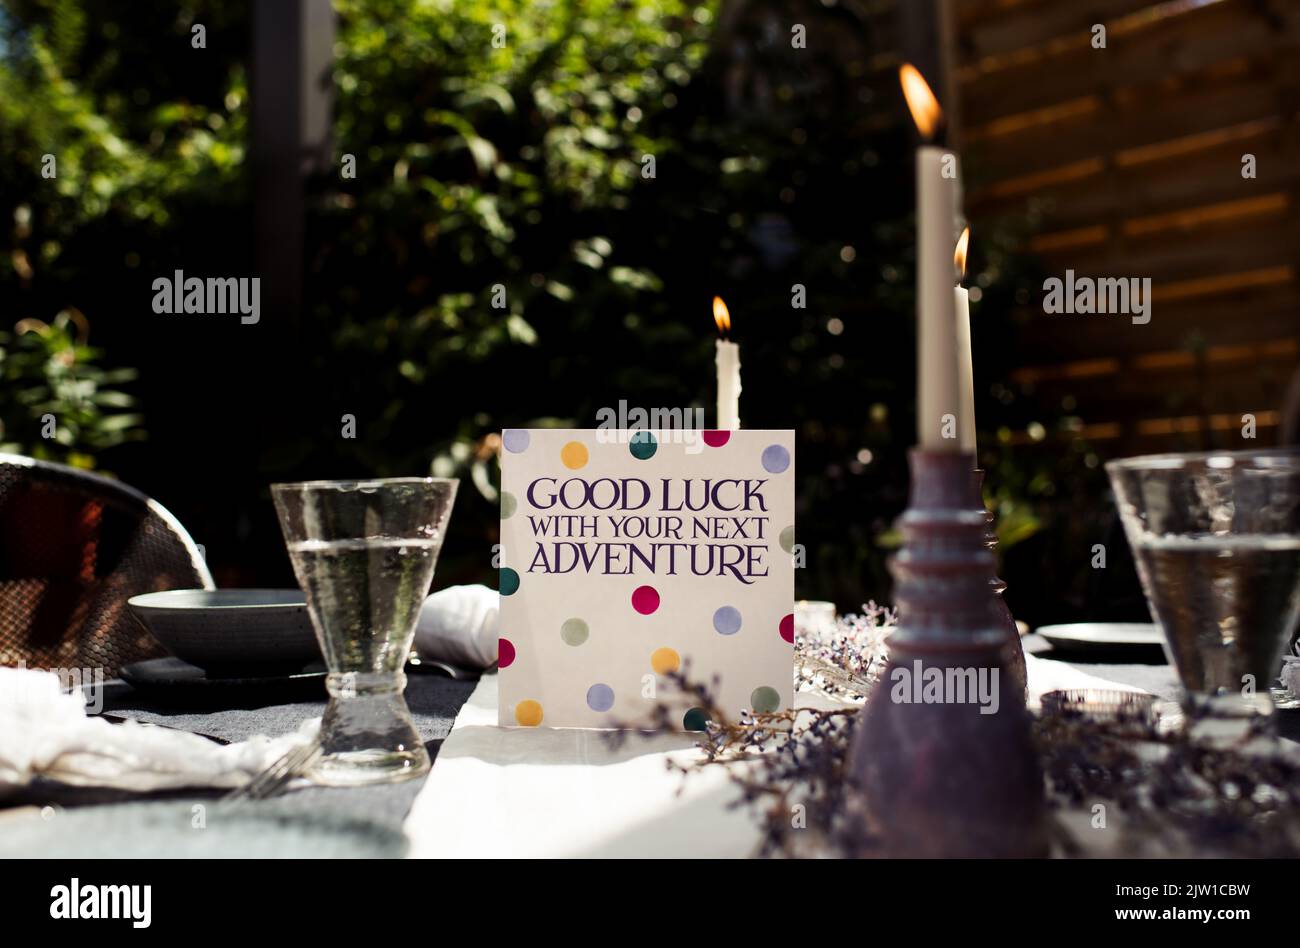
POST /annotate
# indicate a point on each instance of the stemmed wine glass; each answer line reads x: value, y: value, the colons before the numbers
x: 1216, y: 537
x: 364, y: 553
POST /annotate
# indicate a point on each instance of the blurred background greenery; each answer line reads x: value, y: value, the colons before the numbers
x: 521, y: 167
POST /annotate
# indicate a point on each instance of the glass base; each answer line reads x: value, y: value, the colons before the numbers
x: 366, y: 734
x: 360, y: 768
x: 1284, y: 699
x: 1231, y: 721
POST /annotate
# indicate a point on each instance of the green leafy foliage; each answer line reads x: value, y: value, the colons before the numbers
x: 96, y: 160
x: 55, y: 403
x: 122, y: 155
x: 489, y: 180
x: 546, y: 197
x: 551, y: 216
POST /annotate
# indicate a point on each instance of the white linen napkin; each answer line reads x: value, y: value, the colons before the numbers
x: 45, y: 732
x: 459, y: 625
x: 1046, y: 674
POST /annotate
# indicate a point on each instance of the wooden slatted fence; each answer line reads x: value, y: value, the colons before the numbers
x: 1127, y: 162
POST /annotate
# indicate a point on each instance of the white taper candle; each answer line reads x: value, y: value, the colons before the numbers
x: 938, y: 404
x: 728, y: 364
x: 966, y: 371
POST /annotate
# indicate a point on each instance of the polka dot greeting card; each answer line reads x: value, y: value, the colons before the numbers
x: 627, y: 555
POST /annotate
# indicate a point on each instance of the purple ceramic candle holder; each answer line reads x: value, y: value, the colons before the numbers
x: 946, y: 768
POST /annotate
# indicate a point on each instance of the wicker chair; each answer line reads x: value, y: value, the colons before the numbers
x: 73, y: 548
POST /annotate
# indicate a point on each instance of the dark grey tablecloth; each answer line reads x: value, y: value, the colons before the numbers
x: 335, y: 822
x: 434, y: 701
x: 314, y: 822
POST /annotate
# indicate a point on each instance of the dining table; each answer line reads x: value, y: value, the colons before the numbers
x: 315, y: 821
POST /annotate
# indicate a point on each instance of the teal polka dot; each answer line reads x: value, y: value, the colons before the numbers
x: 508, y: 505
x: 509, y: 581
x: 643, y: 445
x: 696, y: 719
x: 764, y: 700
x: 786, y: 539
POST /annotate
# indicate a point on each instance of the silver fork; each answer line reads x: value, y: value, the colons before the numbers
x: 275, y: 777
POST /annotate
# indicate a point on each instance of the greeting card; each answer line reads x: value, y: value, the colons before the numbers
x: 626, y: 555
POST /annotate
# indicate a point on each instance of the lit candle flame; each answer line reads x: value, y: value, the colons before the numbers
x: 721, y: 317
x: 959, y: 255
x: 920, y: 100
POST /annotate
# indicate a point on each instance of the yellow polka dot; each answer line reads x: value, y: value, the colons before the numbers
x: 528, y: 713
x: 574, y: 455
x: 665, y: 660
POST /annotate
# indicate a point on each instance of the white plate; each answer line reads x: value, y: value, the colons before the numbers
x: 1103, y: 635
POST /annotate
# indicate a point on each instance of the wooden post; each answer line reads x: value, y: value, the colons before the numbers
x: 292, y: 116
x: 292, y: 107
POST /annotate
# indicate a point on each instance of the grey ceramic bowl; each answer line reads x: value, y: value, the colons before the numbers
x: 231, y: 628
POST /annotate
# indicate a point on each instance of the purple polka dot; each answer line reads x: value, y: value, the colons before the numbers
x: 775, y: 459
x: 515, y: 439
x: 727, y: 620
x: 600, y: 697
x: 645, y: 599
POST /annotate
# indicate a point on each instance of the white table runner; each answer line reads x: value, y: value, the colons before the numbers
x: 537, y: 792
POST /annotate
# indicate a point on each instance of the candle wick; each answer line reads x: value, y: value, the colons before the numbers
x: 939, y: 134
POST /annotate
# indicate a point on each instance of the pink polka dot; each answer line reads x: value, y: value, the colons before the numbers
x: 505, y: 653
x: 787, y: 628
x: 716, y: 439
x: 645, y: 600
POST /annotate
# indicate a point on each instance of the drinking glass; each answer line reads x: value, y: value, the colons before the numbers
x: 1216, y: 537
x: 364, y: 553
